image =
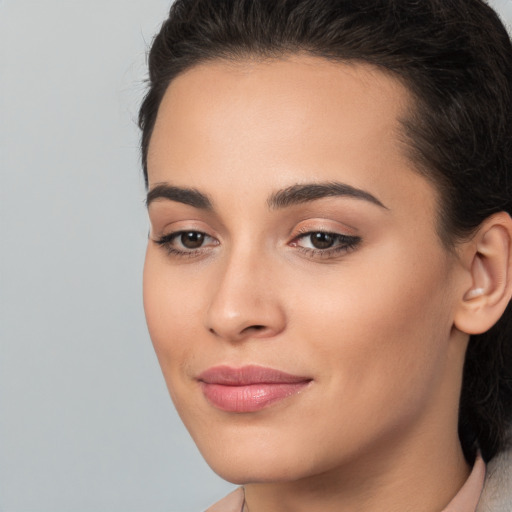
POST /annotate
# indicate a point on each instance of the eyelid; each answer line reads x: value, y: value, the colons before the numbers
x: 166, y: 232
x: 163, y: 226
x: 345, y: 238
x: 314, y: 225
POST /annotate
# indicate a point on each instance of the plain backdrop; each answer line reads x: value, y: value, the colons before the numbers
x: 86, y: 424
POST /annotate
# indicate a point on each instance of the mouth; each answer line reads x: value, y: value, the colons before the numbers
x: 249, y: 388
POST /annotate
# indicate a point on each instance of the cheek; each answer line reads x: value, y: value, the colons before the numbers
x: 172, y: 311
x: 381, y: 329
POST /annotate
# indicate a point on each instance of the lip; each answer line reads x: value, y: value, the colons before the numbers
x: 248, y: 388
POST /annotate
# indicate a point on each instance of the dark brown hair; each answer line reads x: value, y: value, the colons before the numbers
x: 455, y: 57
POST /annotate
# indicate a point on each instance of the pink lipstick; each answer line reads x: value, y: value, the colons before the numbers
x: 249, y: 388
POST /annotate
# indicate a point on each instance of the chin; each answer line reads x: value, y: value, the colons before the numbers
x: 255, y: 457
x: 262, y: 470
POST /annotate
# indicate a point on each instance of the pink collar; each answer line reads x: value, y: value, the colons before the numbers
x: 466, y: 500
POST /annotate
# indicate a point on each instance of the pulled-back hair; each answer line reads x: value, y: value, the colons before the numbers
x: 455, y: 57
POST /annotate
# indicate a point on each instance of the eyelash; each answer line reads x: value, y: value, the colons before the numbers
x: 345, y: 243
x: 166, y: 242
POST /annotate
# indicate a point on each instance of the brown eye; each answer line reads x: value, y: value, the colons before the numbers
x: 323, y: 244
x: 187, y: 243
x: 321, y: 240
x: 192, y: 239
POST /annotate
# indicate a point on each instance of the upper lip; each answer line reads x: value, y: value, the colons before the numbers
x: 246, y: 375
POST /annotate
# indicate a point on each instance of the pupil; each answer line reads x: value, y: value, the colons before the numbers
x: 322, y: 240
x: 192, y: 240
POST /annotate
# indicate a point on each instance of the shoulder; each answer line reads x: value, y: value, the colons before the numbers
x: 233, y: 502
x: 497, y: 493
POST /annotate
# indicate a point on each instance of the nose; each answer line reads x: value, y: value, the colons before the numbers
x: 245, y: 301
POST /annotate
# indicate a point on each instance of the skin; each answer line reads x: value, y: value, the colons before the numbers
x: 372, y: 325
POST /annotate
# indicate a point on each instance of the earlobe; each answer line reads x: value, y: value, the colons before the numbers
x: 490, y: 255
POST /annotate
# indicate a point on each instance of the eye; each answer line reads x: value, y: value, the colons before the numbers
x: 189, y: 242
x: 324, y: 244
x: 322, y: 240
x: 191, y: 239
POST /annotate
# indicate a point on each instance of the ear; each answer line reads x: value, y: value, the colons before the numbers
x: 488, y: 266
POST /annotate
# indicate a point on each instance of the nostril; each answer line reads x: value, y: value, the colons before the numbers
x: 254, y: 328
x: 245, y: 330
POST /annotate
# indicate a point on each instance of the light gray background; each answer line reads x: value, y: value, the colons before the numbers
x: 86, y: 424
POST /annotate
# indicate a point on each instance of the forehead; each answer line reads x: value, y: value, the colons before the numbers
x: 271, y: 123
x: 295, y: 95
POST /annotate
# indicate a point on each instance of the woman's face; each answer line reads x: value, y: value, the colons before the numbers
x: 298, y: 297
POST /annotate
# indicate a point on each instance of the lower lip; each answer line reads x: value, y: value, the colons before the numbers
x: 249, y: 397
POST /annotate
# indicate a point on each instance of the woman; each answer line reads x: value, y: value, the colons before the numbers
x: 329, y: 272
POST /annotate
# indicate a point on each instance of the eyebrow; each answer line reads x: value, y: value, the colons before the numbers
x: 290, y: 196
x: 303, y: 193
x: 189, y: 196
